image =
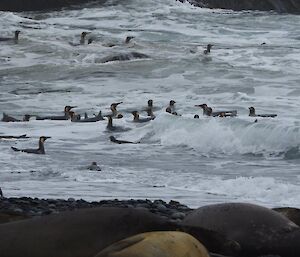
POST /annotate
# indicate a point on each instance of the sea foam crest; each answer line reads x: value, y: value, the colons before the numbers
x: 226, y: 135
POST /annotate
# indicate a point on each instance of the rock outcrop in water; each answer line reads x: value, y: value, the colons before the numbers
x: 40, y: 5
x: 281, y: 6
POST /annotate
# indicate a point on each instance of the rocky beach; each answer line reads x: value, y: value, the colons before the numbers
x: 25, y: 207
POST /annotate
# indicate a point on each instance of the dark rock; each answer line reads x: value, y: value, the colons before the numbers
x: 125, y: 57
x: 40, y: 5
x: 161, y: 207
x: 178, y: 215
x: 281, y: 6
x: 24, y: 207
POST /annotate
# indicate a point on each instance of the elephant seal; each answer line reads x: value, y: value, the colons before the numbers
x: 258, y: 230
x: 78, y: 233
x: 158, y: 244
x: 9, y: 217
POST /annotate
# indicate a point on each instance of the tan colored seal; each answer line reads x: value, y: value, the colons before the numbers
x: 156, y: 244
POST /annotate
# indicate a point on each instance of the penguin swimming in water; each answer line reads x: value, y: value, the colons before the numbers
x: 171, y: 107
x: 149, y: 109
x: 40, y: 150
x: 111, y: 127
x: 136, y: 117
x: 114, y: 111
x: 14, y: 137
x: 94, y: 167
x: 82, y: 39
x: 207, y: 50
x: 209, y: 112
x: 15, y: 39
x: 83, y: 36
x: 114, y: 140
x: 74, y: 117
x: 7, y: 118
x: 169, y: 110
x: 206, y: 110
x: 98, y: 117
x: 66, y: 116
x: 128, y: 39
x: 252, y: 114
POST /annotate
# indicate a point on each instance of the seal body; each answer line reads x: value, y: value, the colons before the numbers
x: 156, y: 244
x: 79, y: 233
x: 257, y: 229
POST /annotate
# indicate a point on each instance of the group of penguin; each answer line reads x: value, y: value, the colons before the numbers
x: 83, y: 38
x: 69, y: 114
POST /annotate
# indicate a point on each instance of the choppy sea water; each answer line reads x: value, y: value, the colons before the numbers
x: 194, y: 161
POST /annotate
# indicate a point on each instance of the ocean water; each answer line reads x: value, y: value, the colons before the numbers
x: 194, y: 161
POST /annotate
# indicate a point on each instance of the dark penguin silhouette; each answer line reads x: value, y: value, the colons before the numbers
x: 40, y: 150
x: 98, y: 117
x: 136, y: 117
x: 111, y: 127
x: 94, y: 167
x: 171, y: 107
x: 209, y: 112
x: 13, y: 137
x: 66, y: 116
x: 196, y: 116
x: 110, y: 124
x: 7, y: 118
x: 207, y: 50
x: 82, y: 37
x: 253, y: 114
x: 149, y: 109
x: 205, y: 108
x: 1, y: 194
x: 114, y: 140
x: 169, y: 110
x: 128, y: 39
x: 15, y: 39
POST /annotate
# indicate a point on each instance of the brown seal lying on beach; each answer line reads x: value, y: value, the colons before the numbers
x: 85, y: 232
x: 156, y: 244
x: 80, y: 233
x: 258, y: 230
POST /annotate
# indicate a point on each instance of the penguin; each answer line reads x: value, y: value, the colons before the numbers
x: 253, y: 114
x: 40, y: 150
